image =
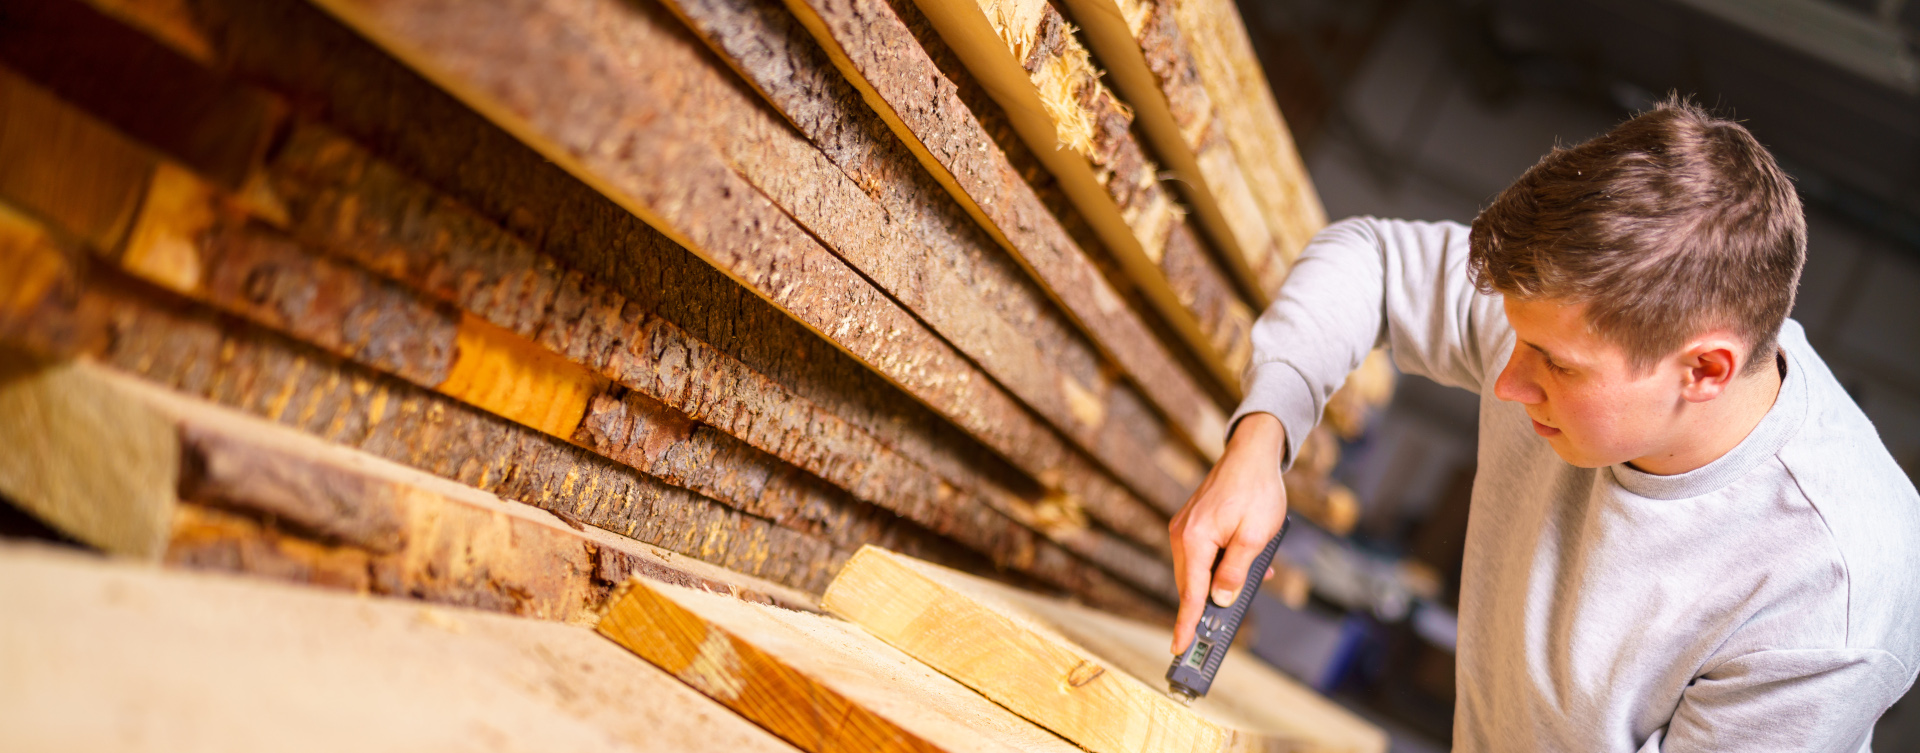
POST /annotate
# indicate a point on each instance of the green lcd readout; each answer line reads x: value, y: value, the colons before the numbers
x: 1197, y: 658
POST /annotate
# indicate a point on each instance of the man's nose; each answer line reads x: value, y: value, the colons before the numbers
x: 1514, y: 386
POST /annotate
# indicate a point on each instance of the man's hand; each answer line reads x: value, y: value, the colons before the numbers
x: 1238, y: 508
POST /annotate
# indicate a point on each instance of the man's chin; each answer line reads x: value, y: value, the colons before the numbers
x: 1574, y: 456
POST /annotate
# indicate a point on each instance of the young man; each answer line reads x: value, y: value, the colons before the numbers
x: 1684, y: 534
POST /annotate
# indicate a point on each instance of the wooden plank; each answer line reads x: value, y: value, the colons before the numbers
x: 135, y: 327
x: 281, y: 494
x: 981, y: 635
x: 990, y: 126
x: 744, y: 357
x: 1231, y: 73
x: 218, y: 128
x: 820, y: 683
x: 360, y: 208
x: 1093, y: 679
x: 103, y: 657
x: 1143, y: 53
x: 752, y: 483
x: 743, y: 367
x: 83, y: 459
x: 1367, y: 389
x: 518, y: 378
x: 246, y: 269
x: 1030, y: 62
x: 1311, y: 490
x: 694, y: 198
x: 879, y: 63
x: 95, y: 201
x: 41, y: 309
x: 893, y: 221
x: 1246, y: 688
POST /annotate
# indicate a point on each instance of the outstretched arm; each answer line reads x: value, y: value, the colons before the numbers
x: 1360, y: 283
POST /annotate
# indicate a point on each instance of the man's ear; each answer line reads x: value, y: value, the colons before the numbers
x: 1709, y: 365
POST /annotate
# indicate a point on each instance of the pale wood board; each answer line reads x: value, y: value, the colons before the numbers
x: 85, y: 460
x: 821, y: 683
x: 1092, y: 678
x: 96, y: 656
x: 1246, y: 688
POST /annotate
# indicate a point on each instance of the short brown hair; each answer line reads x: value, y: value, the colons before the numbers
x: 1672, y: 223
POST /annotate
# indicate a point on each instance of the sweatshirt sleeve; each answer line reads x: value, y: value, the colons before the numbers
x: 1786, y: 700
x: 1361, y: 283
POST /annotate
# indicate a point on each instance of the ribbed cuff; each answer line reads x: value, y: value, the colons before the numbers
x: 1279, y: 389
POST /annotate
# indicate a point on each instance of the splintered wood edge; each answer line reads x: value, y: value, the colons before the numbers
x: 379, y: 24
x: 1111, y: 36
x: 1082, y: 701
x: 967, y: 30
x: 1256, y: 128
x: 206, y: 418
x: 1203, y: 428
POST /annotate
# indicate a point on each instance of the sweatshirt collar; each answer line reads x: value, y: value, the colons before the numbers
x: 1782, y: 421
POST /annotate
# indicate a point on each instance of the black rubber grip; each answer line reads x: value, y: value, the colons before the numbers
x: 1192, y: 672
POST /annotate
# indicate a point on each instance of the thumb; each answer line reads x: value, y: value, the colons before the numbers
x: 1231, y: 575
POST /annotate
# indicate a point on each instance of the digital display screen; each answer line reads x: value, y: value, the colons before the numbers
x: 1198, y: 657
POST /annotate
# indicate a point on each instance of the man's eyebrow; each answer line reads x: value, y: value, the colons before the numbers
x: 1543, y: 351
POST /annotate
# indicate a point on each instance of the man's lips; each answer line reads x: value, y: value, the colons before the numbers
x: 1544, y: 430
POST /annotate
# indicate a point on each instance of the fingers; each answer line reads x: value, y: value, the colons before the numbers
x: 1193, y: 564
x: 1231, y: 576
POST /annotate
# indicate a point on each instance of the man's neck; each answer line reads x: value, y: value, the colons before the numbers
x: 1712, y: 429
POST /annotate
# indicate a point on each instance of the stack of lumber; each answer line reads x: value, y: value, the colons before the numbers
x: 497, y: 306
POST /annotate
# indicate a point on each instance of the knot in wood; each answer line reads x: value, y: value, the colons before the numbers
x: 1083, y: 673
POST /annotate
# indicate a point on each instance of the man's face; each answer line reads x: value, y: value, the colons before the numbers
x: 1581, y: 391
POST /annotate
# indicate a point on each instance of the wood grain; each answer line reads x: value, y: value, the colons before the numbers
x: 1143, y: 53
x: 1247, y: 692
x: 820, y: 683
x: 94, y: 198
x: 224, y: 259
x: 938, y: 617
x: 1231, y: 73
x: 335, y: 198
x: 109, y: 657
x: 520, y: 235
x: 135, y: 326
x: 1030, y: 62
x: 687, y: 192
x: 269, y: 500
x: 879, y: 57
x: 215, y: 126
x: 954, y: 276
x: 518, y: 379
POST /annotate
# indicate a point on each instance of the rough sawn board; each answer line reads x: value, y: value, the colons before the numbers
x: 821, y: 683
x: 106, y: 656
x: 1030, y: 655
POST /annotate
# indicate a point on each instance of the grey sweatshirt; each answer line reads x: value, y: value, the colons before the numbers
x: 1768, y: 601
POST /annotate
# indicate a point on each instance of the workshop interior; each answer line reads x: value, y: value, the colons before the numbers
x: 823, y: 375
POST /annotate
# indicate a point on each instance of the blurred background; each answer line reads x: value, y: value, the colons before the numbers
x: 1425, y: 109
